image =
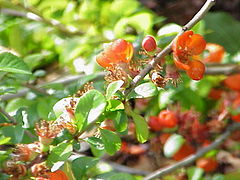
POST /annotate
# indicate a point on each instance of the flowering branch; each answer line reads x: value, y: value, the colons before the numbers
x: 192, y: 158
x: 201, y: 13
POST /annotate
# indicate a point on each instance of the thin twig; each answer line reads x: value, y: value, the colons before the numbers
x: 36, y: 89
x: 201, y: 13
x: 199, y: 154
x: 222, y: 69
x: 64, y: 81
x: 125, y: 169
x: 10, y: 118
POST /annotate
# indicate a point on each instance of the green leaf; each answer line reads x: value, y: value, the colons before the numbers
x: 189, y: 98
x: 169, y: 30
x: 121, y: 176
x: 114, y: 105
x: 6, y: 90
x: 96, y: 142
x: 61, y: 152
x: 141, y: 22
x: 96, y: 145
x: 165, y: 98
x: 111, y: 141
x: 172, y: 145
x: 90, y: 106
x: 4, y: 140
x: 14, y: 132
x: 141, y: 127
x: 44, y: 106
x: 12, y: 63
x: 113, y: 88
x: 221, y: 26
x: 81, y: 165
x: 218, y: 177
x: 195, y: 173
x: 143, y: 91
x: 120, y: 121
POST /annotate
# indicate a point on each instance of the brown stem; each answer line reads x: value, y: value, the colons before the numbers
x: 201, y: 13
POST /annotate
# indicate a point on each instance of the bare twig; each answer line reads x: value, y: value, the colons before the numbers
x: 10, y: 118
x: 201, y: 13
x: 36, y: 89
x: 125, y: 169
x: 64, y: 81
x: 224, y: 69
x: 199, y: 154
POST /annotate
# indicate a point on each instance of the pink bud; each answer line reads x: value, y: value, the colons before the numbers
x: 149, y: 43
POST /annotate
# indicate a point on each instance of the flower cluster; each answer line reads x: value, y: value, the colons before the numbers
x: 186, y: 49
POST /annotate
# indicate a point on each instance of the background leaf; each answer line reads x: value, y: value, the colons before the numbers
x: 172, y: 145
x: 112, y: 142
x: 12, y: 63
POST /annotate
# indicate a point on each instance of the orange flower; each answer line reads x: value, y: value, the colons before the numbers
x: 185, y: 151
x: 233, y: 82
x: 216, y: 53
x: 185, y: 50
x: 207, y: 164
x: 57, y: 175
x: 116, y: 52
x: 196, y: 70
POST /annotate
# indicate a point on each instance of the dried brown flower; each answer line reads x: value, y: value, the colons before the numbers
x: 88, y: 86
x: 47, y: 130
x: 39, y: 170
x: 26, y: 152
x: 14, y: 169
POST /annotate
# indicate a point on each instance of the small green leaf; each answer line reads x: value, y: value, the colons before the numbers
x: 96, y: 142
x: 165, y: 98
x: 113, y: 88
x: 172, y: 145
x: 96, y: 145
x: 14, y: 132
x: 61, y: 152
x: 6, y: 90
x: 121, y: 176
x: 218, y: 177
x: 112, y: 142
x: 90, y: 106
x: 194, y: 173
x: 12, y: 63
x: 143, y: 91
x: 120, y: 121
x: 114, y: 105
x: 169, y: 29
x: 81, y: 165
x: 141, y: 127
x: 4, y: 140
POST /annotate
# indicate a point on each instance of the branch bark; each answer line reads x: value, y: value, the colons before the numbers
x: 64, y: 81
x: 199, y: 154
x: 201, y: 13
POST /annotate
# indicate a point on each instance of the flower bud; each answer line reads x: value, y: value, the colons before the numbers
x: 149, y: 43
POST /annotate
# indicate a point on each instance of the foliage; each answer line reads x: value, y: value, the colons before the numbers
x: 76, y: 127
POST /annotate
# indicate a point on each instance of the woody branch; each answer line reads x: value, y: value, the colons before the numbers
x: 201, y: 13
